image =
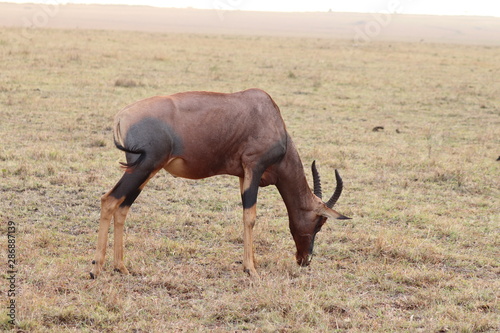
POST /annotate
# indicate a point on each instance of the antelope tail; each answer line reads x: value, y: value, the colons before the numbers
x: 129, y: 165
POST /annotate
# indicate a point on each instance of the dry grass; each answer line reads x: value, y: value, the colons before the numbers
x: 420, y: 255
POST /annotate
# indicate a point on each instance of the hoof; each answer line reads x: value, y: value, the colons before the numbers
x: 93, y: 262
x: 122, y: 270
x: 92, y: 276
x: 252, y: 273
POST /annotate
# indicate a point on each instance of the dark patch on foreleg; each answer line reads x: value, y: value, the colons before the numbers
x: 269, y: 158
x: 249, y: 195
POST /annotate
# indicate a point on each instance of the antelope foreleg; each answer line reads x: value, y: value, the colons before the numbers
x: 249, y: 198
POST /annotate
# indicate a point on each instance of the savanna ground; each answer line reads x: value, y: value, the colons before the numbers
x: 421, y: 253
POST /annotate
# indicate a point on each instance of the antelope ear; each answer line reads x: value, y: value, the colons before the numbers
x: 330, y: 213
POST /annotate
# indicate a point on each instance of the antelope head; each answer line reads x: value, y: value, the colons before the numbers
x: 321, y: 211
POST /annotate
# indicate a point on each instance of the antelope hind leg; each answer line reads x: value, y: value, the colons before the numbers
x: 119, y: 222
x: 108, y: 207
x: 116, y: 203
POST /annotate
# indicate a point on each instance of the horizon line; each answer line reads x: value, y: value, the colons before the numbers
x: 229, y: 8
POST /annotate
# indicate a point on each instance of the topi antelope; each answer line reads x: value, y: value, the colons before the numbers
x: 201, y: 134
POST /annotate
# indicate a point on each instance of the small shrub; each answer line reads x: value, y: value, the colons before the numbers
x: 98, y: 143
x: 127, y: 83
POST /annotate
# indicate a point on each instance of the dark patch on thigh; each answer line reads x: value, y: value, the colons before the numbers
x: 152, y: 141
x: 155, y: 138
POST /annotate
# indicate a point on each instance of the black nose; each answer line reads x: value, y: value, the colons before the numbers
x: 304, y: 262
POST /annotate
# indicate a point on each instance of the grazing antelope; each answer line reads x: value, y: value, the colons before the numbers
x: 201, y: 134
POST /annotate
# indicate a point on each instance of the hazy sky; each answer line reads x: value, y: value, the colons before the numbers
x: 435, y: 7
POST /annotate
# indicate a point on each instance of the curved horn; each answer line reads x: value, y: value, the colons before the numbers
x: 337, y: 192
x: 316, y: 181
